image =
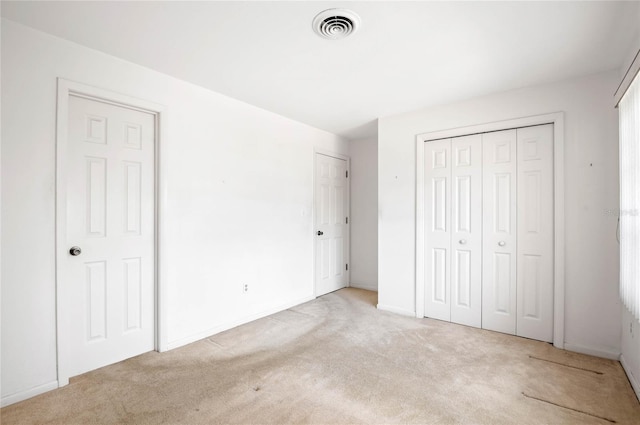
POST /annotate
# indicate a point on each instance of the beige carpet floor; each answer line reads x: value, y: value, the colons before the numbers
x: 338, y: 360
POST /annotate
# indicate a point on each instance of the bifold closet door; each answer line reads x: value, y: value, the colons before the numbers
x: 453, y: 231
x: 518, y: 232
x: 489, y: 231
x: 437, y: 198
x: 499, y: 231
x: 535, y: 233
x: 466, y: 237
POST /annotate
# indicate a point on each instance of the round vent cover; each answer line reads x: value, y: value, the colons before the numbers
x: 336, y: 23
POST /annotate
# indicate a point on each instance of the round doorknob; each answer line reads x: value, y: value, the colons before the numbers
x: 501, y: 243
x: 320, y: 233
x: 462, y: 241
x: 75, y: 251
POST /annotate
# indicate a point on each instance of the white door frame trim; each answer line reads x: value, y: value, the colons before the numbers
x: 68, y: 88
x: 346, y: 158
x: 557, y: 119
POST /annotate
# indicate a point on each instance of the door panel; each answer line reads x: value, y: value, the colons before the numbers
x: 466, y: 235
x: 502, y: 282
x: 132, y: 197
x: 437, y: 229
x: 462, y: 203
x: 503, y: 205
x: 96, y: 285
x: 462, y: 279
x: 535, y: 232
x: 440, y: 202
x: 97, y: 196
x: 107, y: 299
x: 331, y: 206
x: 133, y: 293
x: 439, y: 275
x: 499, y: 235
x: 529, y: 289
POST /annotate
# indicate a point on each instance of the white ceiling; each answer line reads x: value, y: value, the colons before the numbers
x: 405, y: 56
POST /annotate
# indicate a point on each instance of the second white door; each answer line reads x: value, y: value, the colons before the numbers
x: 331, y: 224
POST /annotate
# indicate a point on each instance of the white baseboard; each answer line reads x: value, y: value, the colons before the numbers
x: 367, y: 286
x: 232, y: 324
x: 396, y: 310
x: 32, y: 392
x: 612, y: 355
x: 634, y: 383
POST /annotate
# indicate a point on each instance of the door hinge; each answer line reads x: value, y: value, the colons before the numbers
x: 346, y: 267
x: 346, y: 220
x: 346, y: 174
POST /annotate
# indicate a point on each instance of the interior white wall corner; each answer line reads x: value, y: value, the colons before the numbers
x: 364, y: 213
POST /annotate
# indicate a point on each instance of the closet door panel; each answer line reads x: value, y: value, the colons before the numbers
x: 466, y: 240
x: 499, y: 177
x: 437, y: 236
x: 535, y: 233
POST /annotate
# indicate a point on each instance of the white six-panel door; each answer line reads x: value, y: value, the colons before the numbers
x: 332, y: 228
x: 499, y: 231
x: 437, y: 196
x: 466, y: 223
x: 108, y: 285
x: 489, y: 231
x: 535, y: 233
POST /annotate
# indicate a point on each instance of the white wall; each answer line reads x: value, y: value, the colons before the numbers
x: 238, y: 204
x: 364, y: 213
x: 592, y: 308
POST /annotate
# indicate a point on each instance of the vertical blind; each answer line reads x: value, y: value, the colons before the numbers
x: 629, y: 115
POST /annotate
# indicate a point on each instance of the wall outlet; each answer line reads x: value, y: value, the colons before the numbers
x: 245, y: 287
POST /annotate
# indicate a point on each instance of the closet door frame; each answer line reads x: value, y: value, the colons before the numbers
x: 557, y: 119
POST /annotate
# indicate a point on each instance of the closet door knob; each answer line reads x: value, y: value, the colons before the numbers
x: 462, y: 241
x: 502, y: 243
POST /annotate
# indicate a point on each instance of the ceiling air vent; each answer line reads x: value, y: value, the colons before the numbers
x: 336, y: 23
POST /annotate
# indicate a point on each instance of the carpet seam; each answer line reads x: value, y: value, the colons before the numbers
x: 566, y: 365
x: 569, y: 408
